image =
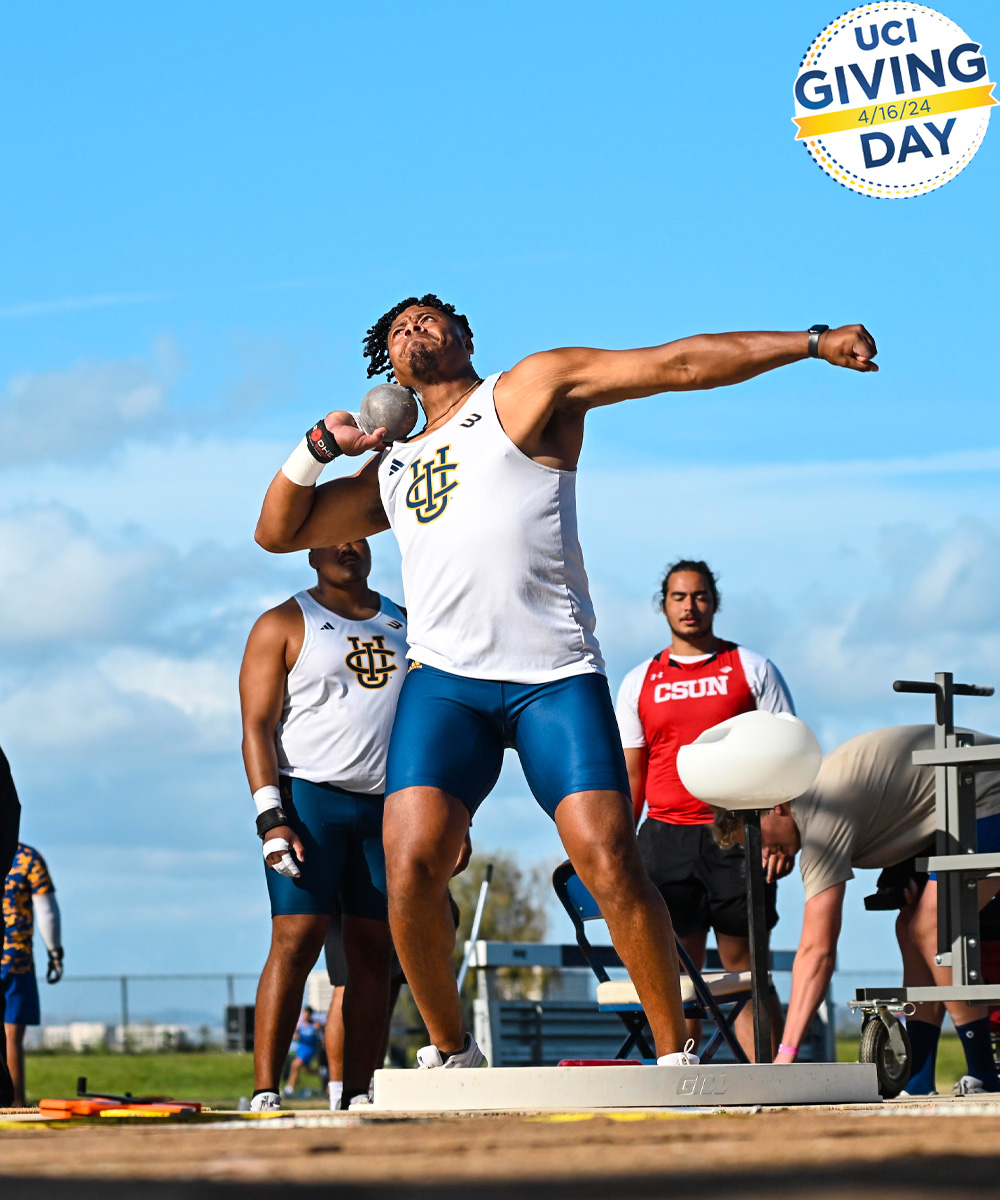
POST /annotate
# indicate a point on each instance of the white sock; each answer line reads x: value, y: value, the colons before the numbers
x: 336, y: 1090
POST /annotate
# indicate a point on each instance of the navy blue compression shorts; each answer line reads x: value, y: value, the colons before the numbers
x: 344, y: 866
x: 450, y: 733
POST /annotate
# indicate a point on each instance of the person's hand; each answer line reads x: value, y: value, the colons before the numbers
x: 777, y: 864
x: 350, y: 438
x: 53, y: 972
x: 784, y: 1058
x: 849, y: 346
x: 281, y: 860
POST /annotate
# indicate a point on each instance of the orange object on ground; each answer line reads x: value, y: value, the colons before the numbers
x: 75, y: 1108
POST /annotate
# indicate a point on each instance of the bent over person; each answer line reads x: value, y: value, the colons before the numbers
x: 503, y: 651
x: 318, y: 688
x: 665, y: 703
x: 871, y: 806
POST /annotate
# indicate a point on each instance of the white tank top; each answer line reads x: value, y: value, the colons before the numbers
x: 492, y: 568
x: 340, y: 697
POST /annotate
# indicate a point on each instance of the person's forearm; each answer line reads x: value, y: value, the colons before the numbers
x: 711, y: 360
x: 47, y: 917
x: 260, y: 757
x: 285, y: 510
x: 811, y: 975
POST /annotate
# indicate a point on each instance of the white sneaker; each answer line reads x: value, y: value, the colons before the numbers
x: 265, y: 1102
x: 680, y: 1058
x: 287, y: 1091
x: 905, y: 1095
x: 469, y: 1056
x: 969, y: 1085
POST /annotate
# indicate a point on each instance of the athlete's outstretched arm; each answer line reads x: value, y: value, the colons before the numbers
x: 296, y: 517
x: 577, y: 375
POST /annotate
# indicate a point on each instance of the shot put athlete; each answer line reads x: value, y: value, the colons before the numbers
x: 502, y: 646
x: 318, y: 688
x: 871, y: 807
x: 665, y: 703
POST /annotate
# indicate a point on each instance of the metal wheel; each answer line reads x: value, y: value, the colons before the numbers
x: 876, y: 1047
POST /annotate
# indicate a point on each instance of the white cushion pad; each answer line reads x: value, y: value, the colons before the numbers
x: 720, y: 984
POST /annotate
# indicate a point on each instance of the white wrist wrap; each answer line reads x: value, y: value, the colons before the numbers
x: 286, y: 864
x: 300, y: 466
x: 267, y: 797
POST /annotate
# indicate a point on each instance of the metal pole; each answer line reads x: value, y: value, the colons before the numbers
x: 476, y: 922
x: 124, y: 998
x: 230, y: 990
x: 757, y: 914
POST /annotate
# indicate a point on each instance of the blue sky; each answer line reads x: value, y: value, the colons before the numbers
x: 207, y: 206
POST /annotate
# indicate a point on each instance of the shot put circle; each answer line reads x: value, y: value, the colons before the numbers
x: 892, y: 99
x: 391, y: 407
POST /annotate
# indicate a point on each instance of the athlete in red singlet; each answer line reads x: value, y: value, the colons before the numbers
x: 663, y: 704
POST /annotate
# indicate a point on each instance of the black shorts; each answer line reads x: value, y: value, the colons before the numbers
x: 703, y: 885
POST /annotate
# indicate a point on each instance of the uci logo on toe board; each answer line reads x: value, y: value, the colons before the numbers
x: 892, y: 99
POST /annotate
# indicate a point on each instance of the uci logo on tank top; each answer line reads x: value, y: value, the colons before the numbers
x: 492, y: 568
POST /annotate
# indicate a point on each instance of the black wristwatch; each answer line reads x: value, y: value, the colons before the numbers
x: 814, y: 333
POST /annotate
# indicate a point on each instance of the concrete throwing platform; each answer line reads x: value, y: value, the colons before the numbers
x: 534, y: 1089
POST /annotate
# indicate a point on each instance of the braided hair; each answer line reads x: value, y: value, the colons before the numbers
x: 376, y: 343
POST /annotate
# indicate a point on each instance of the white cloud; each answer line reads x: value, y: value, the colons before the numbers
x: 58, y: 582
x: 78, y: 412
x: 203, y: 689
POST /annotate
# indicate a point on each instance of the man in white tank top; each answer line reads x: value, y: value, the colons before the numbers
x: 502, y: 644
x: 318, y: 688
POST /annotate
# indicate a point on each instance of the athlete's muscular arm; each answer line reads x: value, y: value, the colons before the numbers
x: 814, y: 962
x: 306, y: 518
x: 574, y: 379
x: 637, y: 765
x: 272, y: 648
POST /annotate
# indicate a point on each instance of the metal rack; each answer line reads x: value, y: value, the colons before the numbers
x: 956, y: 861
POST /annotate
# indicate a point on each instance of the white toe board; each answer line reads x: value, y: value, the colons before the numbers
x: 521, y: 1089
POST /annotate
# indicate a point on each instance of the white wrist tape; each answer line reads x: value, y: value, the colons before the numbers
x: 300, y: 466
x: 286, y: 864
x: 267, y: 797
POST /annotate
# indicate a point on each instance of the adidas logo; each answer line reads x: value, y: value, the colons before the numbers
x: 395, y: 624
x: 396, y: 464
x: 328, y: 626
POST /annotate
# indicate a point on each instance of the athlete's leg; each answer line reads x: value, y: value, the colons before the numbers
x: 334, y: 1038
x: 694, y: 944
x: 15, y: 1060
x: 445, y: 756
x: 296, y: 940
x: 368, y: 947
x: 597, y: 829
x: 924, y: 933
x: 424, y: 829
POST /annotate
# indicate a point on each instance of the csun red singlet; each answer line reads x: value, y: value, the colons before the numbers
x: 666, y: 702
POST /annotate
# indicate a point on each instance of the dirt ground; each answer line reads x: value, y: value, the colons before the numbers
x: 809, y: 1153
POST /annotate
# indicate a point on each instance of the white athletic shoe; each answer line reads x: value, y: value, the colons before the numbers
x: 469, y: 1056
x: 905, y: 1095
x: 969, y: 1085
x: 680, y: 1058
x: 265, y: 1102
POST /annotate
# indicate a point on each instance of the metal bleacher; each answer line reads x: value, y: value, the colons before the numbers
x: 537, y: 1033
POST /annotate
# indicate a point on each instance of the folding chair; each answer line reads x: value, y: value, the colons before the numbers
x: 700, y: 994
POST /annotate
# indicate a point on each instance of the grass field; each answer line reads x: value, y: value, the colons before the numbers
x: 221, y: 1079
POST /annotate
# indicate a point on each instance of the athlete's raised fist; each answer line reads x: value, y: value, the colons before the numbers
x: 849, y: 346
x: 353, y: 441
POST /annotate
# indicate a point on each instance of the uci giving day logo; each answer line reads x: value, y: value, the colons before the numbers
x: 892, y: 99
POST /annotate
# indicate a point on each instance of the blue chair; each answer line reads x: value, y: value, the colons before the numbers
x: 702, y: 995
